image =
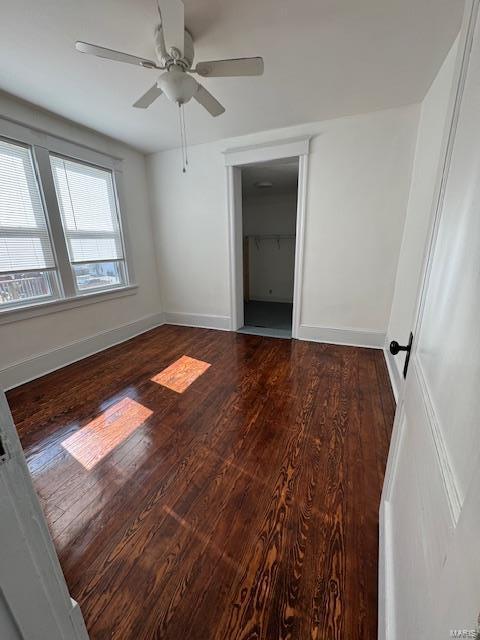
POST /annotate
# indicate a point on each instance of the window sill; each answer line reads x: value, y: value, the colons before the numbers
x: 53, y: 306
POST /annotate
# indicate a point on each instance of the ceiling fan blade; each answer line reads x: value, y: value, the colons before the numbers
x: 205, y: 98
x: 233, y: 67
x: 111, y: 54
x: 160, y: 47
x: 150, y: 96
x: 172, y: 13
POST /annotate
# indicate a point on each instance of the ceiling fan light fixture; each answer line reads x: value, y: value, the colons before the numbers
x: 177, y: 85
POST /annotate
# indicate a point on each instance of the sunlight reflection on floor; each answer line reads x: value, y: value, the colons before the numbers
x: 100, y: 436
x: 180, y: 375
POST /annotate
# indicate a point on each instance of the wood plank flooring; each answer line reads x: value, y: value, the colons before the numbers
x: 238, y: 502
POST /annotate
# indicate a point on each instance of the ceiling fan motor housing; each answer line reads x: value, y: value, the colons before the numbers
x: 164, y: 56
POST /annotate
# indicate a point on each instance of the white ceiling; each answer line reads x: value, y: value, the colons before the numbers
x: 323, y: 59
x: 283, y: 175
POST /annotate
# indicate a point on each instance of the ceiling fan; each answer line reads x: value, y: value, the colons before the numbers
x: 175, y: 53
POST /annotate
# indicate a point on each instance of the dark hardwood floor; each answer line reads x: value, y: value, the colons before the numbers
x: 237, y: 500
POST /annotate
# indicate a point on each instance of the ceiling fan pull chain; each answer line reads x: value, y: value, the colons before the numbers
x: 181, y: 136
x: 185, y: 135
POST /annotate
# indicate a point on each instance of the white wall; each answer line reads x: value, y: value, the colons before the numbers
x: 271, y: 262
x: 22, y: 340
x: 359, y: 176
x: 420, y: 206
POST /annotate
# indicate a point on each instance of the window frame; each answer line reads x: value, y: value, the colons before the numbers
x: 124, y: 265
x: 42, y: 145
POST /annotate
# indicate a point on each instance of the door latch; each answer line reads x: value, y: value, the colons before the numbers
x: 396, y: 348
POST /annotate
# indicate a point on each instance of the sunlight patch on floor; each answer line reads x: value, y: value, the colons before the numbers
x: 181, y: 374
x: 99, y: 437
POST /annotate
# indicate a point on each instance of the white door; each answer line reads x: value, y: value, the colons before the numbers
x: 34, y: 599
x: 430, y: 512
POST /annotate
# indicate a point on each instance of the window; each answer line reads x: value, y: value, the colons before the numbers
x: 27, y: 265
x: 64, y: 245
x: 88, y: 207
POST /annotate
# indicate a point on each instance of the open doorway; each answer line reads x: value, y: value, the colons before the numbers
x: 276, y: 157
x: 269, y: 220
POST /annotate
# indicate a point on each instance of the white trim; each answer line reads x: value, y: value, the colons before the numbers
x: 16, y: 314
x: 46, y: 185
x: 344, y: 336
x: 128, y: 256
x: 386, y: 600
x: 454, y: 496
x: 27, y: 134
x: 386, y: 595
x: 396, y: 379
x: 235, y: 247
x: 299, y: 244
x: 203, y: 321
x: 268, y: 151
x: 234, y: 159
x: 394, y: 452
x: 43, y: 363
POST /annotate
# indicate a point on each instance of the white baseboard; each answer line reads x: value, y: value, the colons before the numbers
x: 38, y: 365
x: 348, y: 337
x: 198, y: 320
x: 395, y: 376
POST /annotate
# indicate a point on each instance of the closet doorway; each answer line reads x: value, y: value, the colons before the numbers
x: 284, y: 165
x: 269, y: 220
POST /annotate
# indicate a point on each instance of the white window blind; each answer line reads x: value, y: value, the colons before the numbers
x: 24, y: 239
x: 88, y: 207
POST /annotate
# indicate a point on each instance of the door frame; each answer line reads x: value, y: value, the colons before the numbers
x: 234, y: 160
x: 51, y: 600
x: 386, y: 612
